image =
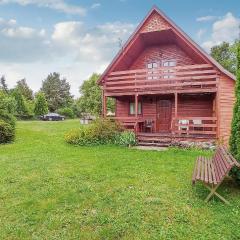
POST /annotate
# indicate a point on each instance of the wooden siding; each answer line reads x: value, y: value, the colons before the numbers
x: 195, y: 106
x: 226, y: 99
x: 188, y: 106
x: 161, y: 53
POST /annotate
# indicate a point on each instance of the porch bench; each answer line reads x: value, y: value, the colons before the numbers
x: 212, y: 171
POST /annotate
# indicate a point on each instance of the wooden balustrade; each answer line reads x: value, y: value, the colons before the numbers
x: 200, y: 77
x: 195, y: 126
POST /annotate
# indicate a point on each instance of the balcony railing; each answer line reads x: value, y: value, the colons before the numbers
x: 188, y: 78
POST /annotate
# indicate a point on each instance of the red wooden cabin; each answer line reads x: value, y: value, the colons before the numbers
x: 166, y: 86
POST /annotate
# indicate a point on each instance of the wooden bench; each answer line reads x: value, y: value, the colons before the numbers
x: 213, y: 171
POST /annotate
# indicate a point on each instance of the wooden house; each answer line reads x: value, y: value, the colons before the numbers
x: 167, y: 88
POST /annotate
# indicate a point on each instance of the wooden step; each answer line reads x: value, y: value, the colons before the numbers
x: 154, y: 139
x: 156, y: 144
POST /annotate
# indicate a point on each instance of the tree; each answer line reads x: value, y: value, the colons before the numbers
x: 226, y: 55
x: 24, y: 89
x: 91, y: 97
x: 21, y: 106
x: 57, y: 92
x: 3, y: 85
x: 235, y: 133
x: 7, y: 103
x: 41, y: 106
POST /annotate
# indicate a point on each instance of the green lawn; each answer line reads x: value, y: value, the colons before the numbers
x: 51, y: 190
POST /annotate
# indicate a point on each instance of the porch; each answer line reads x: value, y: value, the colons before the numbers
x: 169, y: 116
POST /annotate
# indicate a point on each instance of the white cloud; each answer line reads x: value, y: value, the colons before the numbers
x: 96, y: 44
x: 71, y: 49
x: 200, y: 33
x: 95, y: 5
x: 225, y: 29
x: 59, y: 5
x: 206, y: 18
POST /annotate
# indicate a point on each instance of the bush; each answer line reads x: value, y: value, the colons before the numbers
x: 66, y: 112
x: 8, y: 118
x: 126, y: 138
x: 101, y: 131
x: 7, y: 132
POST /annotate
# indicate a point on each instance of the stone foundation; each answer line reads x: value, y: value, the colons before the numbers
x: 210, y: 145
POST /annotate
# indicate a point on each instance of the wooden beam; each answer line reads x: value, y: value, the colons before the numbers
x: 176, y: 105
x: 187, y: 67
x: 163, y: 92
x: 136, y: 111
x: 104, y: 105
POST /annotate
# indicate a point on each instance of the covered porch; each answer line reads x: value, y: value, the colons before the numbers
x: 175, y: 116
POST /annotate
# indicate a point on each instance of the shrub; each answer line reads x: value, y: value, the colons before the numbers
x: 66, y: 112
x: 6, y: 132
x: 7, y: 103
x: 8, y: 118
x: 126, y: 138
x: 101, y: 131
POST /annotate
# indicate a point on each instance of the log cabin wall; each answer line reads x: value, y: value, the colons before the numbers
x: 188, y: 106
x: 195, y: 106
x: 225, y: 104
x: 160, y: 53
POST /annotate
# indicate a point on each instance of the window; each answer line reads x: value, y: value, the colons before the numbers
x: 169, y: 72
x: 132, y: 108
x: 151, y: 66
x: 170, y: 63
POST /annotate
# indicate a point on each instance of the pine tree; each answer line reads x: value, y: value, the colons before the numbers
x: 24, y: 89
x: 41, y: 106
x: 3, y: 85
x: 21, y: 106
x: 235, y: 133
x: 57, y: 92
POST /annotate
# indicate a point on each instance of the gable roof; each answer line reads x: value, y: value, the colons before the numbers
x: 179, y: 32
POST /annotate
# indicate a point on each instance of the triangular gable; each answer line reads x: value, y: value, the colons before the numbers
x: 156, y: 20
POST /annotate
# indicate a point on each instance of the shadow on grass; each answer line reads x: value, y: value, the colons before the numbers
x: 228, y: 189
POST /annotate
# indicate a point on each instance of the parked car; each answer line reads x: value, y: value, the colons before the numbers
x: 52, y: 117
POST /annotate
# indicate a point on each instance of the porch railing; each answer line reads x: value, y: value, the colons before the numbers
x: 199, y: 77
x: 204, y: 126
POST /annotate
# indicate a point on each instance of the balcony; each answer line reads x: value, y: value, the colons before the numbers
x: 182, y: 79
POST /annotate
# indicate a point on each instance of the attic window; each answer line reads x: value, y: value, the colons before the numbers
x: 151, y: 70
x: 169, y: 73
x: 171, y: 63
x: 152, y: 65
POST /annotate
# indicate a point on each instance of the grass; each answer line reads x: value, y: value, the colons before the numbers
x: 51, y: 190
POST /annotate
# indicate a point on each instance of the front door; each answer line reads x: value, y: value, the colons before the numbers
x: 164, y: 115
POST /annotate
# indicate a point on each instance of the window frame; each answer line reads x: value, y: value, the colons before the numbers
x: 133, y: 104
x: 167, y: 73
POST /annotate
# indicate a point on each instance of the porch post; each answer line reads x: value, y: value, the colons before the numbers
x: 104, y: 104
x: 176, y: 109
x: 136, y: 112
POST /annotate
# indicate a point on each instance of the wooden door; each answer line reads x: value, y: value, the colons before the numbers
x: 164, y: 115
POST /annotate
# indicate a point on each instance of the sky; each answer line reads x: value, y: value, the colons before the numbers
x: 77, y: 38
